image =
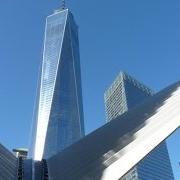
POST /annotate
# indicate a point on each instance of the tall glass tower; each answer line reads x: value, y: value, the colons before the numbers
x: 59, y: 120
x: 124, y: 94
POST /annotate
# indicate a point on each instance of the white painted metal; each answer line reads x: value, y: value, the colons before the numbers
x: 157, y: 128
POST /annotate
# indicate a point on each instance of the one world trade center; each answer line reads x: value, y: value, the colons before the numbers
x: 58, y: 120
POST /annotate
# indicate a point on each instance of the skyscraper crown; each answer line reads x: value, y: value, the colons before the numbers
x: 122, y: 77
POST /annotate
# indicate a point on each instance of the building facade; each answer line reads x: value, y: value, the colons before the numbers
x: 124, y: 94
x: 59, y: 120
x: 8, y: 164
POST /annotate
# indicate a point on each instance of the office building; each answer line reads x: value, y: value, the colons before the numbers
x: 124, y: 94
x: 8, y: 164
x: 59, y: 118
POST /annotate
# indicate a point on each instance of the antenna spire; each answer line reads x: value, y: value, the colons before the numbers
x: 63, y: 4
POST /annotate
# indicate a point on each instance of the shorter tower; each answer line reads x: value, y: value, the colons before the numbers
x: 124, y: 94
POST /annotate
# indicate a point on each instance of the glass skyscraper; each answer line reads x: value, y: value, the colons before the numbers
x: 124, y: 94
x: 59, y: 120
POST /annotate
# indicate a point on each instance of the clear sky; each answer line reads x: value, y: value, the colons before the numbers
x: 141, y: 37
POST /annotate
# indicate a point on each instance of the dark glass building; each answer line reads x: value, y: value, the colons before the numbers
x: 59, y: 120
x: 8, y: 165
x: 124, y: 94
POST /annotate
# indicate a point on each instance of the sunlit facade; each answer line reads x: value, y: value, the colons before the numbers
x: 59, y: 112
x: 124, y: 94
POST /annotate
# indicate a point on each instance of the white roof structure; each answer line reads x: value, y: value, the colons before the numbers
x: 112, y: 150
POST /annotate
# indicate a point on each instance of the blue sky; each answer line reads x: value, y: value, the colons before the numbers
x: 141, y: 37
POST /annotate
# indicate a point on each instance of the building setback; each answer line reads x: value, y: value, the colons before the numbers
x: 59, y: 120
x: 124, y: 94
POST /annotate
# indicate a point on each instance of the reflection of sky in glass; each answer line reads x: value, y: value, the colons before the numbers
x: 59, y: 118
x: 66, y: 117
x: 52, y: 47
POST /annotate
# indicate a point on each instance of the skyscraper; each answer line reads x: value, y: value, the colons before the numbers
x: 124, y: 94
x: 59, y: 120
